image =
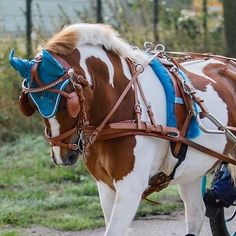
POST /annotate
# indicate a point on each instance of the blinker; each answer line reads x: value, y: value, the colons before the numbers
x: 73, y: 104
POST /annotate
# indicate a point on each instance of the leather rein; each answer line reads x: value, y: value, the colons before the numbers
x: 105, y: 131
x: 78, y: 82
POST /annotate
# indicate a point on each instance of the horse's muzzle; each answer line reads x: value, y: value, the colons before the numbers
x: 71, y: 158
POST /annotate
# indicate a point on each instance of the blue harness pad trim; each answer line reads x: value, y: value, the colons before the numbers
x: 49, y: 70
x: 171, y: 99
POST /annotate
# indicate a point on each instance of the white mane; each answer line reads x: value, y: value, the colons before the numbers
x: 105, y: 35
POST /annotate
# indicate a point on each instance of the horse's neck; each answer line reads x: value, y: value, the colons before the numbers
x: 107, y: 72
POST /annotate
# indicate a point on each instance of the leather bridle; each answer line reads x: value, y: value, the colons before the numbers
x: 78, y: 83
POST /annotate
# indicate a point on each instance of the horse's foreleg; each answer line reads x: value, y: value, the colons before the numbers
x: 194, y: 206
x: 128, y: 196
x: 107, y: 198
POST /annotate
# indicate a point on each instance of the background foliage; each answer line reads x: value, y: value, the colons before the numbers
x: 178, y: 29
x: 32, y: 191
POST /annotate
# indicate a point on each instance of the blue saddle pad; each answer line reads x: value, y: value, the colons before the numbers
x: 49, y: 70
x: 171, y: 99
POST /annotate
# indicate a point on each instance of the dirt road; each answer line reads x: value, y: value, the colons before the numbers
x: 157, y: 225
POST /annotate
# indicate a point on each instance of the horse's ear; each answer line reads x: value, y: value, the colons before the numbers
x: 21, y: 65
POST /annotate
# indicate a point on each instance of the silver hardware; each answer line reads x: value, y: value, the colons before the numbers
x: 148, y: 46
x: 138, y: 106
x: 221, y: 128
x: 173, y: 135
x: 38, y: 57
x: 140, y: 67
x: 159, y: 48
x: 75, y: 147
x: 81, y: 141
x: 71, y: 72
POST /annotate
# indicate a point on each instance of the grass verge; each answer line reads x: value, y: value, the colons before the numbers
x: 35, y: 192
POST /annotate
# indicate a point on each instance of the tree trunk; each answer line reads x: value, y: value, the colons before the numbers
x: 230, y: 26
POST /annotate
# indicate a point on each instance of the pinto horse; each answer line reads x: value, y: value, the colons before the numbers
x: 122, y: 166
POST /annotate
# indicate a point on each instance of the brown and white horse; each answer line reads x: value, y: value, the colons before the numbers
x: 123, y: 166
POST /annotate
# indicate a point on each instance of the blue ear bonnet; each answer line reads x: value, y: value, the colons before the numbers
x: 49, y: 70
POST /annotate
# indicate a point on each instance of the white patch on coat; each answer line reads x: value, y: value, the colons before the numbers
x: 198, y: 66
x: 107, y: 198
x: 125, y: 68
x: 149, y: 155
x: 55, y: 131
x: 104, y: 35
x: 129, y: 190
x: 92, y: 51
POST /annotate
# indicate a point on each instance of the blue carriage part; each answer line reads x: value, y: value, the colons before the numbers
x: 203, y: 185
x: 49, y: 70
x: 166, y: 81
x: 224, y: 188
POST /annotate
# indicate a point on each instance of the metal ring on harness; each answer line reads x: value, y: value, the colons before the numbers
x: 159, y: 48
x: 148, y: 46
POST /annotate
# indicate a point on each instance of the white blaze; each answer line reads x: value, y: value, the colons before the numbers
x: 55, y: 131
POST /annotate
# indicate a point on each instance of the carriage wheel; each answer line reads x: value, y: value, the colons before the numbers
x: 222, y: 220
x: 224, y: 224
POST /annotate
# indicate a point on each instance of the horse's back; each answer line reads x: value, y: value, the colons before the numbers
x: 215, y: 86
x: 218, y: 92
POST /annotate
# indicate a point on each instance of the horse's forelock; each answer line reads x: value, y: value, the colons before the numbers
x: 64, y: 42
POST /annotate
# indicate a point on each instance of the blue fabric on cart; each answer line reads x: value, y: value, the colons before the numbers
x: 224, y: 188
x: 49, y: 70
x: 171, y: 99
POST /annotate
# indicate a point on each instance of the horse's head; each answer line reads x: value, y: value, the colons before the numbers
x: 57, y: 83
x: 58, y: 90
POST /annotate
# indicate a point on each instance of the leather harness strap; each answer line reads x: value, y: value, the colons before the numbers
x: 208, y: 151
x: 107, y: 130
x: 126, y: 129
x: 98, y: 130
x: 204, y: 55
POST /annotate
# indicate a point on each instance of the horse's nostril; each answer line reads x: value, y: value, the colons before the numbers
x: 71, y: 158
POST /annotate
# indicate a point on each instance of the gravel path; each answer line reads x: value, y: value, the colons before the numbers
x: 167, y: 225
x: 154, y: 226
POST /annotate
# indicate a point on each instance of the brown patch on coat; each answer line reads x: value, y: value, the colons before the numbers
x: 105, y: 94
x: 225, y: 87
x: 113, y: 159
